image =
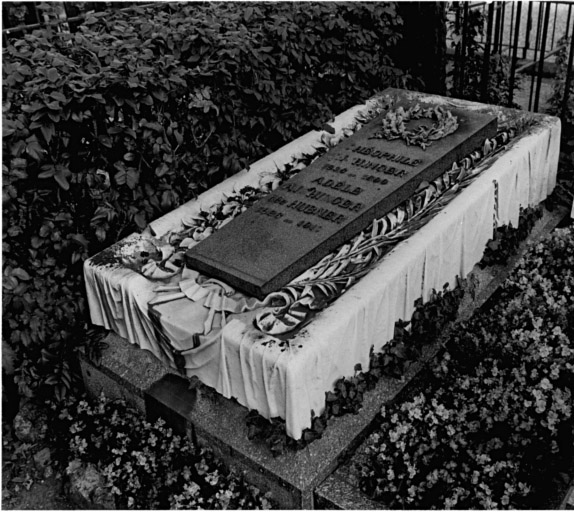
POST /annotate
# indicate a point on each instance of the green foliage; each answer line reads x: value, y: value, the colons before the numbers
x: 471, y: 65
x: 559, y: 87
x: 499, y: 408
x: 109, y: 128
x: 506, y: 238
x: 146, y: 465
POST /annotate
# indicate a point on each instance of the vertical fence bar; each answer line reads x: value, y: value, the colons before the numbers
x: 554, y: 26
x: 514, y: 54
x: 528, y: 29
x: 484, y: 15
x: 512, y: 27
x: 533, y: 75
x: 486, y: 63
x: 568, y: 20
x: 457, y: 50
x: 464, y: 48
x: 542, y: 56
x: 502, y: 16
x: 38, y: 16
x: 569, y: 73
x: 496, y: 28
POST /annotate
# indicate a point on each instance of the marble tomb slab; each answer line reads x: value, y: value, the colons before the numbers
x: 330, y: 201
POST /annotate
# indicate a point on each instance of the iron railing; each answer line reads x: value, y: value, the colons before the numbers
x: 530, y: 35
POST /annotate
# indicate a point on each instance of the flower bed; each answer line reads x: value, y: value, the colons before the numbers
x: 147, y: 466
x: 497, y: 412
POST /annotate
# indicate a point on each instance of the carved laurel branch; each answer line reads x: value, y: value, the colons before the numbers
x: 319, y: 286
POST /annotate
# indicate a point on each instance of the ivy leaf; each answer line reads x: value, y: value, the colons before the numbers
x: 120, y: 177
x: 161, y: 170
x: 34, y: 107
x: 49, y: 171
x: 58, y: 96
x: 81, y: 239
x: 48, y: 131
x: 7, y: 129
x: 34, y: 149
x: 53, y: 105
x: 159, y: 94
x: 61, y: 177
x: 132, y: 178
x: 9, y: 283
x: 139, y: 219
x: 21, y: 274
x: 105, y: 141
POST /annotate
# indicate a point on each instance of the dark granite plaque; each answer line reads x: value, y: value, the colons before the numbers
x: 328, y: 202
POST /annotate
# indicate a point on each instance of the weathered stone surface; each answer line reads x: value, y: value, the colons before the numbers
x: 330, y: 201
x: 124, y: 372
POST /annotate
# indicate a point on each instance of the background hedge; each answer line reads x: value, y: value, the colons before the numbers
x: 109, y: 128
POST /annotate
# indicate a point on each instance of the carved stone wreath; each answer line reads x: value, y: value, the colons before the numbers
x: 394, y: 125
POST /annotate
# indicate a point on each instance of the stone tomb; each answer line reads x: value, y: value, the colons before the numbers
x: 331, y: 200
x: 359, y: 320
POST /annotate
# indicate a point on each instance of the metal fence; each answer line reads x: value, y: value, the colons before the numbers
x: 529, y: 35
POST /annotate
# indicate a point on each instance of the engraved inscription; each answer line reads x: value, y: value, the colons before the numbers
x: 337, y: 185
x: 327, y: 203
x: 386, y: 155
x: 341, y: 158
x: 335, y: 168
x: 322, y: 213
x: 375, y: 179
x: 277, y: 199
x: 378, y: 167
x: 309, y: 226
x: 318, y: 195
x: 269, y: 212
x: 313, y: 193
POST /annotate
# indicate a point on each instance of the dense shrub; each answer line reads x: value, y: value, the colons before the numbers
x: 147, y: 466
x: 488, y: 428
x: 110, y: 127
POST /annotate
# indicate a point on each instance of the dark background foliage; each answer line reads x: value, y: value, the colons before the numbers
x: 110, y: 127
